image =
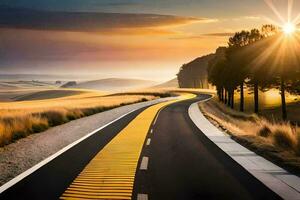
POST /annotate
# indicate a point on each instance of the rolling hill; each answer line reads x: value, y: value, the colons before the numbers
x: 113, y: 84
x: 168, y: 84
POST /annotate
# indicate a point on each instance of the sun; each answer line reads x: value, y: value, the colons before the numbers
x: 289, y: 28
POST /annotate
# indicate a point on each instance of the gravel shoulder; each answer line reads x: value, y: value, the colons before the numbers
x: 25, y: 153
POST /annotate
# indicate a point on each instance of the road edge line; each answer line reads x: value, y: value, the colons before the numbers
x: 278, y: 184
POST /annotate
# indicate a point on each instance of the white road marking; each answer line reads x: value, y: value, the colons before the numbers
x: 50, y: 158
x: 148, y: 142
x: 151, y: 131
x: 157, y: 116
x: 142, y: 197
x: 144, y: 164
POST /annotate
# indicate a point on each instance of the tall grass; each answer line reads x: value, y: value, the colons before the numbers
x: 20, y: 119
x: 283, y: 136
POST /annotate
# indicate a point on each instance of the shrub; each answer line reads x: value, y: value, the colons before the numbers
x: 264, y: 131
x: 55, y: 117
x: 39, y: 127
x: 284, y: 138
x: 144, y: 99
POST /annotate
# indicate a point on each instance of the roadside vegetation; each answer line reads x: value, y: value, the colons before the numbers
x: 257, y: 61
x: 278, y: 142
x: 21, y: 118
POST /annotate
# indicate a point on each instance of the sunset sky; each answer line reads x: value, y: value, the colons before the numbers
x: 121, y: 38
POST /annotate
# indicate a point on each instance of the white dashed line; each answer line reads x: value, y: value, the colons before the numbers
x: 151, y: 131
x: 142, y: 197
x: 144, y: 164
x: 148, y: 142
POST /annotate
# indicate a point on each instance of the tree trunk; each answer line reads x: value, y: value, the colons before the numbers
x: 242, y: 97
x: 218, y: 94
x: 229, y: 98
x: 232, y: 99
x: 222, y: 94
x: 256, y: 97
x: 225, y: 100
x: 283, y: 102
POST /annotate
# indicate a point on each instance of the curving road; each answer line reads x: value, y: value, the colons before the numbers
x: 184, y: 164
x: 176, y: 162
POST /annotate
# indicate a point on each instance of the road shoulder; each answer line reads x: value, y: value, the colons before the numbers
x: 277, y: 179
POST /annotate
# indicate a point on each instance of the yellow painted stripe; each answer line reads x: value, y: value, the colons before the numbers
x: 110, y: 174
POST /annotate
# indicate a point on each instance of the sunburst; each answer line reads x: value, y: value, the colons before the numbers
x: 289, y: 28
x: 284, y: 47
x: 288, y: 25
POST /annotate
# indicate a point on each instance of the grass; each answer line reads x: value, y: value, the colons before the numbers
x: 270, y: 105
x: 157, y: 93
x: 22, y: 118
x: 276, y: 141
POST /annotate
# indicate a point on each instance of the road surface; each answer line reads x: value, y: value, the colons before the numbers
x: 142, y: 156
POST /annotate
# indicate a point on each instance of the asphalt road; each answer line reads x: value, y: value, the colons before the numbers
x: 184, y: 164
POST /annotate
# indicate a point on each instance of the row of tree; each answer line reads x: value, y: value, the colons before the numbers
x: 259, y: 59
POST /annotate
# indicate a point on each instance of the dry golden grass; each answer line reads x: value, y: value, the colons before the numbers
x: 19, y: 119
x: 279, y: 142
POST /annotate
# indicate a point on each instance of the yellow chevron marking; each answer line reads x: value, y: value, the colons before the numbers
x: 110, y: 174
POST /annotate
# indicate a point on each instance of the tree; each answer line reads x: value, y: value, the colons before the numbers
x: 286, y: 67
x: 257, y: 72
x: 215, y: 70
x: 220, y: 75
x: 276, y: 65
x: 269, y: 30
x: 239, y: 40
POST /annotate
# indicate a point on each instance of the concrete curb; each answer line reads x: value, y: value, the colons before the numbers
x: 280, y: 181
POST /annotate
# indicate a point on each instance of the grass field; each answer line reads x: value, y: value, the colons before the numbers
x: 19, y: 119
x: 270, y: 105
x: 277, y: 141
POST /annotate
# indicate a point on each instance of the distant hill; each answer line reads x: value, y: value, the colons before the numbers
x: 194, y: 73
x: 47, y: 94
x: 169, y: 84
x: 69, y: 84
x: 114, y: 84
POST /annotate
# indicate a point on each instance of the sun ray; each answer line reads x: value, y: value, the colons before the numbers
x: 290, y: 10
x: 271, y: 21
x: 262, y: 58
x: 296, y: 20
x: 274, y: 9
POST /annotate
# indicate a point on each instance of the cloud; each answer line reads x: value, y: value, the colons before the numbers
x: 224, y: 34
x: 117, y: 4
x: 203, y: 36
x: 87, y: 21
x: 242, y: 18
x: 253, y: 17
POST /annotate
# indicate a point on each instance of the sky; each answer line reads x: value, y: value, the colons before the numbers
x: 122, y: 38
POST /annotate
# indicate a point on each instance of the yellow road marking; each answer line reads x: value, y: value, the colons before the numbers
x: 110, y: 174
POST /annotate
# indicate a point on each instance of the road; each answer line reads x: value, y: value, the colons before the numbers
x: 182, y: 163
